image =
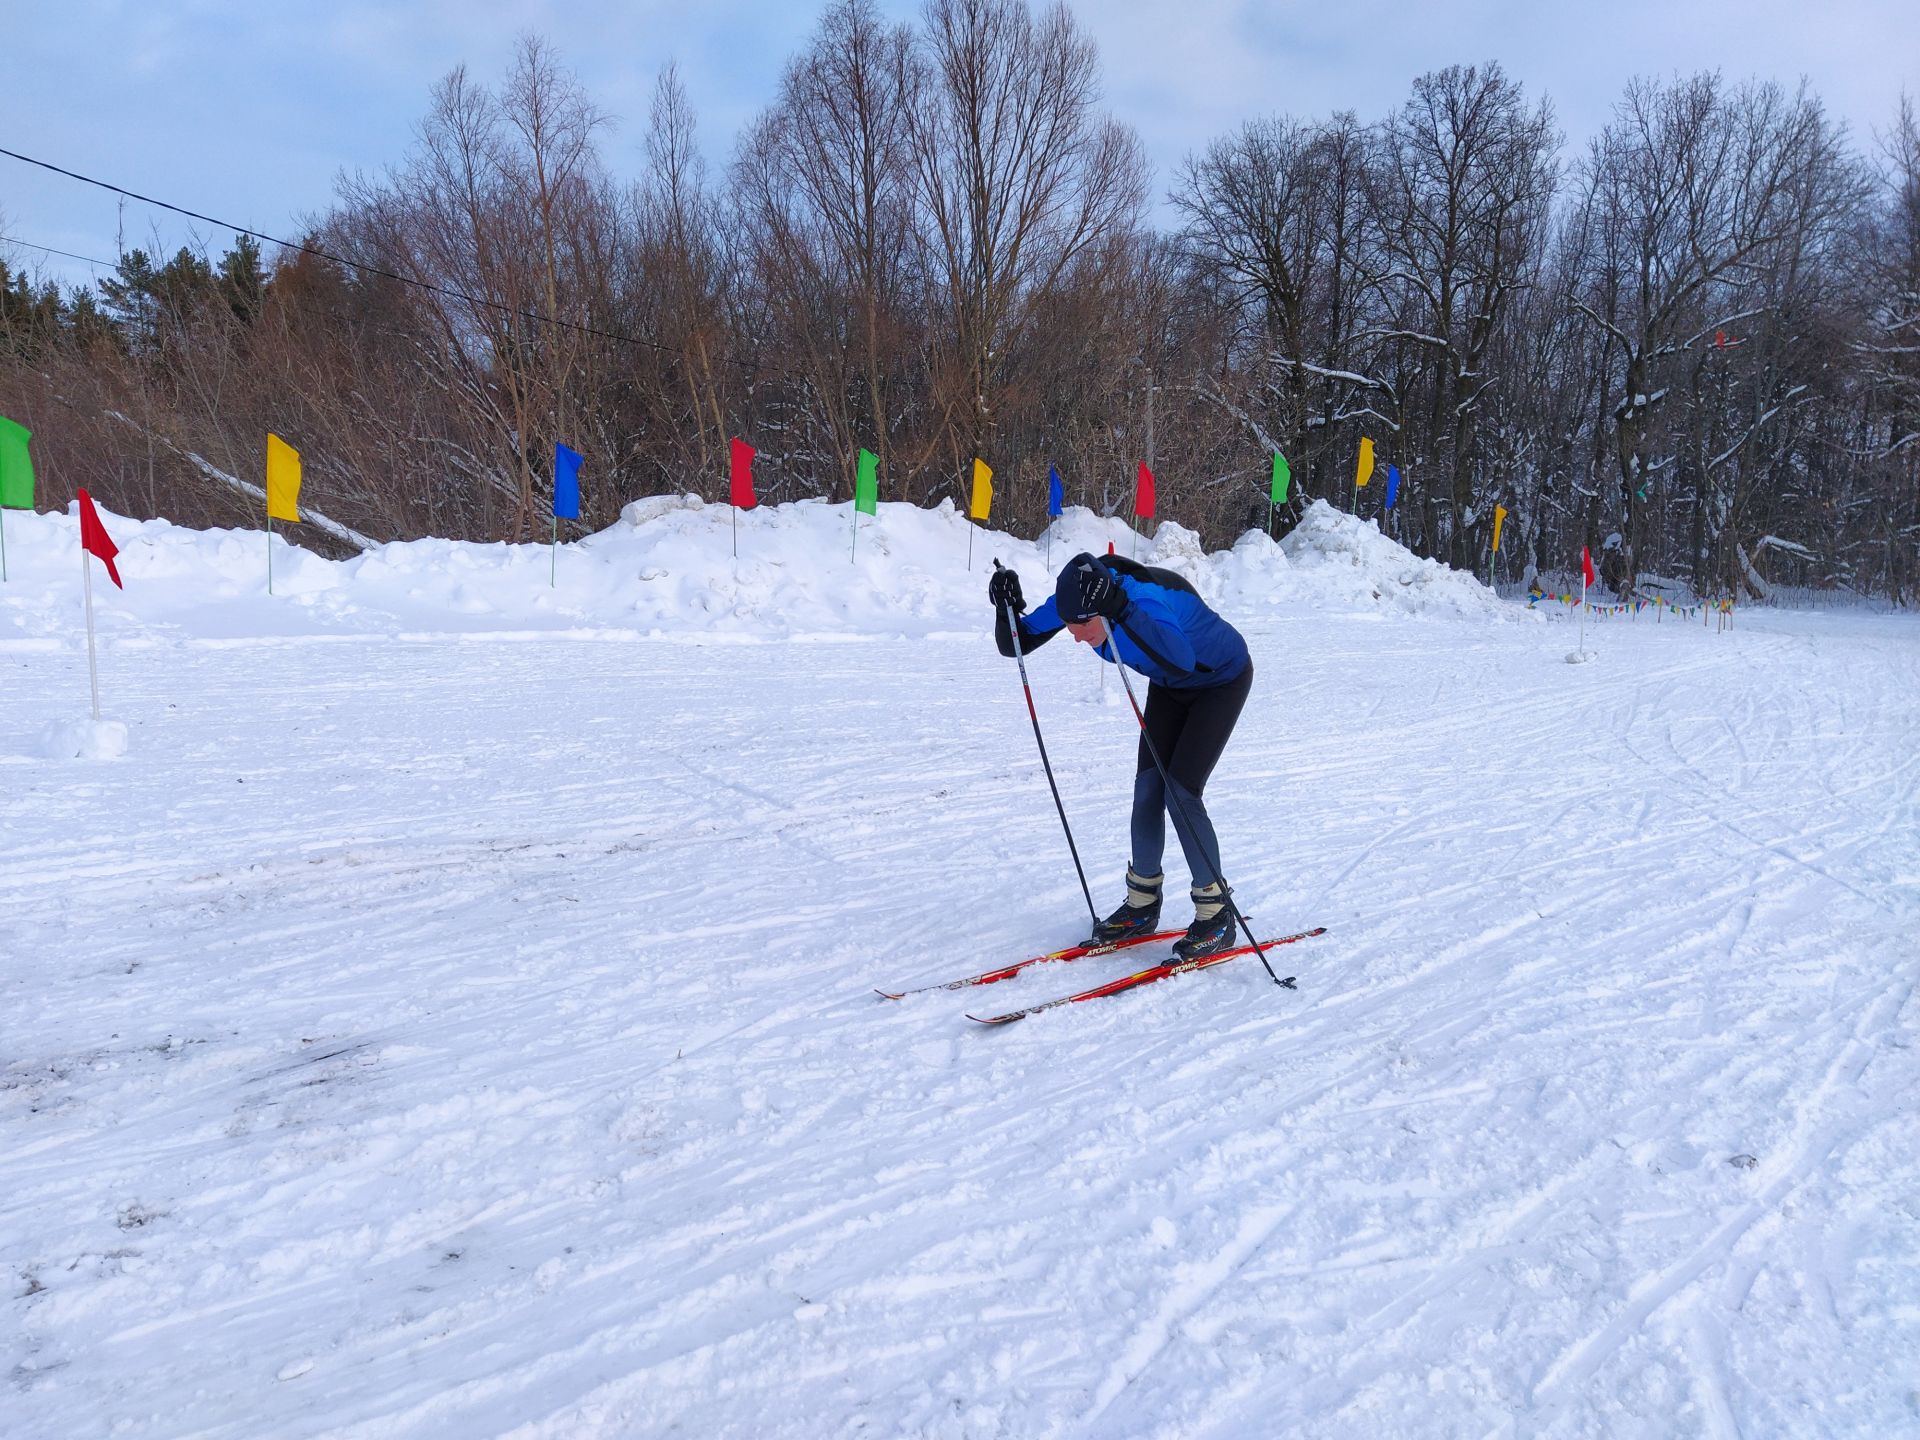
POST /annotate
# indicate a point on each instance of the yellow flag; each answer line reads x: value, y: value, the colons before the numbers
x: 1499, y: 519
x: 283, y: 480
x: 982, y: 489
x: 1365, y: 473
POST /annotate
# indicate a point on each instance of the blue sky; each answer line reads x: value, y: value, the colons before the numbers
x: 248, y: 111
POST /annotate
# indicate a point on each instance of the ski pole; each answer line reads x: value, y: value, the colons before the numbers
x: 1180, y: 808
x: 1013, y: 628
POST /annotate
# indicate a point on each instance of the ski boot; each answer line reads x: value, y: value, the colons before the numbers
x: 1212, y: 927
x: 1139, y: 915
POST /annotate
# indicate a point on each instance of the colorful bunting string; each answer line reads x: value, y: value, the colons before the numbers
x: 1633, y: 607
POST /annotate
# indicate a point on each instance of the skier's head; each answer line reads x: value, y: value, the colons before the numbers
x: 1070, y: 590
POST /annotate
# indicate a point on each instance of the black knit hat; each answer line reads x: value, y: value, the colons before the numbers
x: 1070, y: 590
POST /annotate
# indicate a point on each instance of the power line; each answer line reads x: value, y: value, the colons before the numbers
x: 49, y: 250
x: 358, y: 265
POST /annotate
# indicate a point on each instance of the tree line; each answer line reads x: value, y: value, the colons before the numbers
x: 1693, y: 345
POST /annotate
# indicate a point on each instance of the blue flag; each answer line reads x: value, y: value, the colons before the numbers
x: 1055, y: 492
x: 1393, y: 485
x: 566, y: 483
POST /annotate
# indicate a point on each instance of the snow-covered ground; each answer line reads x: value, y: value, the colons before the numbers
x: 453, y: 1016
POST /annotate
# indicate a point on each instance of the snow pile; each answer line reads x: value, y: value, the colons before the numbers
x: 1347, y: 564
x: 82, y: 740
x: 668, y: 567
x: 1331, y: 562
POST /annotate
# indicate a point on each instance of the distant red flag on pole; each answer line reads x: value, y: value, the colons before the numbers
x: 1143, y: 497
x: 94, y: 538
x: 741, y: 476
x: 1586, y: 564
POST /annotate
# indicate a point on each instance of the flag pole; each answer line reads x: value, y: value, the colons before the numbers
x: 3, y: 542
x: 269, y: 558
x: 1583, y: 607
x: 553, y: 553
x: 93, y: 667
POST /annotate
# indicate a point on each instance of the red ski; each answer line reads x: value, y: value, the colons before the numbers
x: 1007, y: 972
x: 1146, y: 977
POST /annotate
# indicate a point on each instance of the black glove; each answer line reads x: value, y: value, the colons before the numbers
x: 1004, y: 590
x: 1102, y: 595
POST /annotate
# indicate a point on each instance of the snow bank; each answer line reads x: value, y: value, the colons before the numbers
x: 83, y: 740
x: 668, y: 567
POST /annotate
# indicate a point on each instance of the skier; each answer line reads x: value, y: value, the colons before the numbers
x: 1199, y: 675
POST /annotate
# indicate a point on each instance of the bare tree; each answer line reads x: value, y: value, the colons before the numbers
x: 1019, y: 175
x: 554, y: 168
x: 1887, y: 436
x: 674, y: 286
x: 1687, y: 185
x: 1462, y: 192
x: 1276, y: 222
x: 1256, y: 206
x: 826, y: 181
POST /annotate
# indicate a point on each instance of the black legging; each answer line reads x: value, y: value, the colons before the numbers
x: 1189, y: 729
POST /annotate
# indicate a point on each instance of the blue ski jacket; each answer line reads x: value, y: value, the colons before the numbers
x: 1167, y: 633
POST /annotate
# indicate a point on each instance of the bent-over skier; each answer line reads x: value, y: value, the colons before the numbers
x: 1199, y: 674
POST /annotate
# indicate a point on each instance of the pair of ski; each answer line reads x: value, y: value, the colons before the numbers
x: 1162, y: 971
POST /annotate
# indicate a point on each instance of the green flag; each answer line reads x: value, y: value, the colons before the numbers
x: 16, y: 465
x: 866, y: 489
x: 1282, y: 478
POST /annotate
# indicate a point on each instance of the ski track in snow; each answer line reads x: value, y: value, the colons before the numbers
x: 435, y: 1039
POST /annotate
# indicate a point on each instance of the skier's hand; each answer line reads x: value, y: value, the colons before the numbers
x: 1102, y: 596
x: 1004, y: 589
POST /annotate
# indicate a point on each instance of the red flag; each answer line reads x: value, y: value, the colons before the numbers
x: 1586, y: 564
x: 94, y: 538
x: 740, y: 489
x: 1143, y: 497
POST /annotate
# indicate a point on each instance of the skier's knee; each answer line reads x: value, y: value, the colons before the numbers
x: 1148, y: 792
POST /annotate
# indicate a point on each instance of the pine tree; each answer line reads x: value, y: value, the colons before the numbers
x: 243, y: 279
